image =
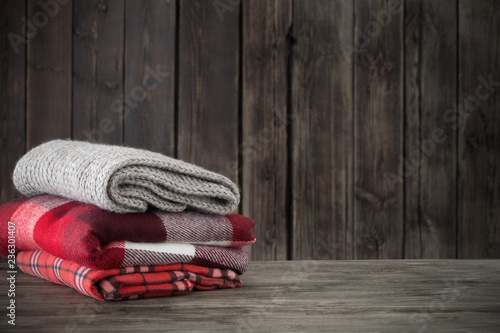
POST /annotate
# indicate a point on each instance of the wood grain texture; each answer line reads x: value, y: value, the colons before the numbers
x: 378, y: 96
x: 359, y: 87
x: 284, y: 296
x: 98, y: 42
x: 12, y: 94
x: 208, y: 87
x: 479, y: 138
x: 321, y: 130
x: 430, y: 164
x: 150, y: 75
x: 48, y: 81
x: 266, y: 56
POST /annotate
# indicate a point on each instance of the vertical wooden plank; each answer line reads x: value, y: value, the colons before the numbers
x: 12, y: 94
x: 378, y: 129
x: 413, y: 91
x: 479, y: 130
x: 98, y: 71
x: 48, y: 81
x: 321, y: 128
x: 150, y: 74
x: 430, y: 154
x: 208, y: 86
x: 266, y: 53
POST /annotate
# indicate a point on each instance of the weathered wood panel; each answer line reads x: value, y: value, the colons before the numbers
x: 12, y: 94
x: 322, y: 104
x: 479, y: 128
x: 264, y: 149
x: 150, y: 75
x: 98, y: 104
x: 379, y: 136
x: 209, y: 48
x: 48, y: 81
x: 317, y: 109
x: 430, y: 148
x: 286, y: 296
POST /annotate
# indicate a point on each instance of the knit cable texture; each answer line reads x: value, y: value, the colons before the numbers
x: 122, y: 179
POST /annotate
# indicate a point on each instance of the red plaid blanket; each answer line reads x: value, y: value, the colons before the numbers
x: 126, y: 282
x: 100, y: 239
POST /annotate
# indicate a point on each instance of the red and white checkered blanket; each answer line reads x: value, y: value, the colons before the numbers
x: 96, y: 238
x: 126, y: 282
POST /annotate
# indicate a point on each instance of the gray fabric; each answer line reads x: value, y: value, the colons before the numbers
x: 122, y: 179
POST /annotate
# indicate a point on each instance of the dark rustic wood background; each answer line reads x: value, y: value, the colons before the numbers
x: 310, y: 106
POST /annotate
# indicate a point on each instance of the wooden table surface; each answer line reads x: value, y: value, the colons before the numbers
x: 285, y: 296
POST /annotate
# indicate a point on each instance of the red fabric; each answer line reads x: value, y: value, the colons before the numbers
x: 100, y: 239
x: 126, y: 282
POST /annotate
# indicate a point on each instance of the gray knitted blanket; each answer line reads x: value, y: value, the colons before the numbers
x: 122, y: 179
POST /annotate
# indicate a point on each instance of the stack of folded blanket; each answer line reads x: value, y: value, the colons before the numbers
x: 121, y: 223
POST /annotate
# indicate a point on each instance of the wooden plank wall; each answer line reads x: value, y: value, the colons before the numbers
x: 321, y: 130
x: 430, y: 84
x: 478, y: 145
x: 355, y: 130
